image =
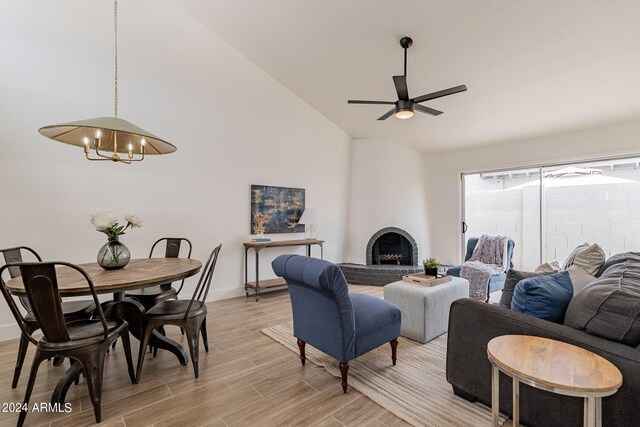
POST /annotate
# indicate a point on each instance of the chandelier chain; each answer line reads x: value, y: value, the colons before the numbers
x: 115, y: 30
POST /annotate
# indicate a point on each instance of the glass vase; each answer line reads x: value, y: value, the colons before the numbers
x: 113, y: 255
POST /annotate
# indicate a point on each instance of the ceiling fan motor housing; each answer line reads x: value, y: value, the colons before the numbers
x: 404, y: 105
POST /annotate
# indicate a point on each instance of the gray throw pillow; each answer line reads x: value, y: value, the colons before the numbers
x: 513, y: 277
x: 579, y: 278
x: 590, y: 258
x: 609, y: 307
x: 548, y: 267
x: 572, y: 255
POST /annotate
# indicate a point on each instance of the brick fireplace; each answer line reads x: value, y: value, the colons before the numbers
x: 390, y: 254
x: 392, y: 245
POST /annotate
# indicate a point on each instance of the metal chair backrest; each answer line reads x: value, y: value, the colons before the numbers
x: 13, y: 255
x: 202, y: 290
x: 41, y: 286
x: 172, y: 250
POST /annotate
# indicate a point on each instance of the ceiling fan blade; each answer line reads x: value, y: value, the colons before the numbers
x: 440, y: 93
x: 401, y: 87
x: 426, y: 110
x: 356, y: 101
x: 388, y: 114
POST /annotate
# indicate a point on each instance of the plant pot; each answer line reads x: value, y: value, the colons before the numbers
x: 431, y: 271
x: 113, y: 255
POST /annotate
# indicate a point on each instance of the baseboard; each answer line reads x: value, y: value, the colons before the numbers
x: 226, y: 293
x: 9, y: 332
x: 219, y: 294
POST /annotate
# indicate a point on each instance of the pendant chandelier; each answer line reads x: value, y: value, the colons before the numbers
x: 109, y: 138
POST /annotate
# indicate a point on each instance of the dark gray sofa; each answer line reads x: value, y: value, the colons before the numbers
x: 472, y: 324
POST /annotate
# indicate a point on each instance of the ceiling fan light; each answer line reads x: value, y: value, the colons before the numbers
x: 404, y: 114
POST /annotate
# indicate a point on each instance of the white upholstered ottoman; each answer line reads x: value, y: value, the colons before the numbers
x: 425, y: 309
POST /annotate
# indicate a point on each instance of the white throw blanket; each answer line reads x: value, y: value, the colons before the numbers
x: 487, y: 260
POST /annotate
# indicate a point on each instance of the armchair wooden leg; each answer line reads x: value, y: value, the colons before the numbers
x: 344, y: 372
x: 303, y: 356
x: 394, y: 351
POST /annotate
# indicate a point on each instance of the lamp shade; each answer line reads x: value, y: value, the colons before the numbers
x: 111, y: 129
x: 310, y: 216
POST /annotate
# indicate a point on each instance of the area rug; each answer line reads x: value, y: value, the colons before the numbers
x: 415, y: 390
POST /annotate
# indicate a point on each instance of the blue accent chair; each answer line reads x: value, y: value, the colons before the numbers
x: 496, y: 283
x: 326, y: 315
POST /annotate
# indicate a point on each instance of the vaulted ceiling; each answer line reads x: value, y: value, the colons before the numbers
x: 532, y: 68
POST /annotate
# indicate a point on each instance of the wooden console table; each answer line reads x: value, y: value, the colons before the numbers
x: 277, y: 282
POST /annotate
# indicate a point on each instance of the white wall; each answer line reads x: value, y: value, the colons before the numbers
x: 443, y: 171
x: 232, y: 123
x: 388, y: 189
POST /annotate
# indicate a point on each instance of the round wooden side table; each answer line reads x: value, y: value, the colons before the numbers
x: 553, y: 366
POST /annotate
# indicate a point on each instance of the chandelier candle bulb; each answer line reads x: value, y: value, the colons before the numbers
x: 130, y: 151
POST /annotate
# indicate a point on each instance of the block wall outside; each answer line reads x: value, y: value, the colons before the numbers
x: 607, y: 214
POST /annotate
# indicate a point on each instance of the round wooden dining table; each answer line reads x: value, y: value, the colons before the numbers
x: 139, y: 273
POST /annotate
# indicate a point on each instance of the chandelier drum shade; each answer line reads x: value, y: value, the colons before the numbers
x: 109, y: 135
x: 109, y: 138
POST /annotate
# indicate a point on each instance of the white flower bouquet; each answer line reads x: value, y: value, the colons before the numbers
x: 114, y: 254
x: 105, y: 221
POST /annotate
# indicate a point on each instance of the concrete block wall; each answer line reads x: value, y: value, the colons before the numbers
x: 607, y: 214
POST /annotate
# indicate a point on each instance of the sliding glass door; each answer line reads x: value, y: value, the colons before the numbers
x: 505, y: 203
x: 549, y: 210
x: 595, y: 202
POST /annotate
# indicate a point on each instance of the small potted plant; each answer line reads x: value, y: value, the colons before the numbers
x: 431, y: 267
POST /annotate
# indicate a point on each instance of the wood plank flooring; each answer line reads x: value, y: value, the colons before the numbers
x: 246, y: 379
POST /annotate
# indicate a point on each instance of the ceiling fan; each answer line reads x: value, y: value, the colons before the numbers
x: 405, y: 106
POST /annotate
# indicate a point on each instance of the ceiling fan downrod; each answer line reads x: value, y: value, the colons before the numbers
x: 406, y: 43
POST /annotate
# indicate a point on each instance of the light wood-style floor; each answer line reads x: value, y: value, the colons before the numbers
x: 246, y: 379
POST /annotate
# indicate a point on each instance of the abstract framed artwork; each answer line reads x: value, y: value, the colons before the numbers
x: 276, y: 209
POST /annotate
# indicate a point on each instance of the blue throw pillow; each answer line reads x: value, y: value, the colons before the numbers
x: 544, y: 297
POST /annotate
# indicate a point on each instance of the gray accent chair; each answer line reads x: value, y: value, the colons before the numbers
x: 496, y: 283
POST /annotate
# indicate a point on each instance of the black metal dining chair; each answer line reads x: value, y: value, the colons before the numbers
x: 84, y: 341
x: 72, y: 310
x: 152, y: 295
x: 189, y: 315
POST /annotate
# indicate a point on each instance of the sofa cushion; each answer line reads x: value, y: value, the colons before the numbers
x: 610, y: 306
x: 579, y: 278
x: 589, y: 258
x: 513, y: 277
x: 618, y: 259
x: 544, y: 297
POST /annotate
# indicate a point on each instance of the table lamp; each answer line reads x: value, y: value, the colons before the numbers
x: 310, y: 217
